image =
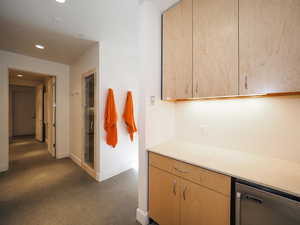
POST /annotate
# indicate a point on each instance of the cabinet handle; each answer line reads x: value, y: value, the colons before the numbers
x: 246, y: 82
x: 238, y: 208
x: 174, y: 187
x: 184, y: 193
x: 180, y: 170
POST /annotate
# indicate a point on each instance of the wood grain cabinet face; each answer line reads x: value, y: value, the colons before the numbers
x: 177, y: 51
x: 269, y: 46
x: 164, y: 197
x: 202, y: 206
x: 183, y: 194
x: 215, y: 48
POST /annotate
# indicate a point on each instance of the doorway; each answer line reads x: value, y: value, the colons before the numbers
x: 32, y: 111
x: 89, y: 141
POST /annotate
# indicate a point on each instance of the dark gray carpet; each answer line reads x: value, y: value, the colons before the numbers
x: 40, y: 190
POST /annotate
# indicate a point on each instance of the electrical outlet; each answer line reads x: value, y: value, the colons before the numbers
x: 204, y: 130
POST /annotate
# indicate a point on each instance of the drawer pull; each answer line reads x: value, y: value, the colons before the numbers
x: 174, y: 187
x: 180, y: 170
x: 184, y: 193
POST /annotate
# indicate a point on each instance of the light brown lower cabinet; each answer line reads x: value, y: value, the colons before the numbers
x: 202, y: 206
x: 174, y: 199
x: 164, y: 197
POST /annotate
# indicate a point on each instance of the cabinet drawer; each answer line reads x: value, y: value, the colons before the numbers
x: 162, y: 162
x: 212, y: 180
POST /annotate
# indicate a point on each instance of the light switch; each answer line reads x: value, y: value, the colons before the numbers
x: 152, y: 100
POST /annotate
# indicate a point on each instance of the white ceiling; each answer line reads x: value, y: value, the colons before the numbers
x: 66, y: 30
x: 27, y: 75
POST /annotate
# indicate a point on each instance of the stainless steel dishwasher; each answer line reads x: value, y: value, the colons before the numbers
x: 258, y: 205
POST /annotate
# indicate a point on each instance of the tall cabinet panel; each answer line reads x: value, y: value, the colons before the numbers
x: 177, y: 51
x: 269, y: 46
x: 215, y: 50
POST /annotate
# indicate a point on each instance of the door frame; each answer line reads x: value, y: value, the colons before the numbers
x: 53, y: 98
x: 91, y: 171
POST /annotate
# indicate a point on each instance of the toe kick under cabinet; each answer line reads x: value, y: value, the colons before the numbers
x: 183, y: 194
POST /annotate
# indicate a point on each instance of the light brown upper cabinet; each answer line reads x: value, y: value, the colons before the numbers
x: 177, y: 51
x: 215, y: 48
x: 269, y: 46
x: 231, y: 47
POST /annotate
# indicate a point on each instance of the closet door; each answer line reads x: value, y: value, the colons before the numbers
x: 269, y: 46
x: 177, y: 82
x: 215, y: 51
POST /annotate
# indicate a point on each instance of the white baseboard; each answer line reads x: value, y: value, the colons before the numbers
x: 75, y: 159
x: 3, y: 167
x: 142, y: 217
x: 62, y: 155
x: 98, y: 178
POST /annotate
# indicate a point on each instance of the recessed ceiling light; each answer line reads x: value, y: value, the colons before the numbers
x: 20, y: 75
x: 61, y: 1
x: 39, y: 46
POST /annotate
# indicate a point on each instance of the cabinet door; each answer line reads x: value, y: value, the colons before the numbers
x: 177, y: 47
x: 164, y: 197
x: 215, y: 50
x: 202, y: 206
x: 269, y: 46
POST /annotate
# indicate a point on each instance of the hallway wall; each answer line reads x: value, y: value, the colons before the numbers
x: 61, y: 71
x: 88, y: 61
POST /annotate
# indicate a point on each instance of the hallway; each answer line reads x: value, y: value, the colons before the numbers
x: 40, y: 190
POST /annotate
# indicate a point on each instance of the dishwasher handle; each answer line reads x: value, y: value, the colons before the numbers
x: 254, y: 199
x: 238, y: 197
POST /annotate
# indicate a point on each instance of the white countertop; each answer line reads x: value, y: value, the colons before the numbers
x: 275, y: 173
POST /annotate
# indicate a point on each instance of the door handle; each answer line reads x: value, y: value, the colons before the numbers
x: 246, y: 82
x: 254, y: 199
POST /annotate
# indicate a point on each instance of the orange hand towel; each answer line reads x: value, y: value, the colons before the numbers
x: 128, y: 115
x: 110, y: 123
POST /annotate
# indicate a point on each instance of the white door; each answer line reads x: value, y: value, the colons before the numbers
x: 51, y: 114
x: 39, y: 113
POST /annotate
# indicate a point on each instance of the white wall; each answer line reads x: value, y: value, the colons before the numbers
x: 156, y: 121
x: 61, y: 71
x: 119, y: 71
x: 267, y: 126
x: 116, y: 61
x: 87, y: 62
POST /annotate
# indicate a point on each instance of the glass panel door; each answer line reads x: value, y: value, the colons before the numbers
x: 89, y: 115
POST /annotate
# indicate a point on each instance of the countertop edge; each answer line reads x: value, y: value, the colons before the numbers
x: 227, y: 173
